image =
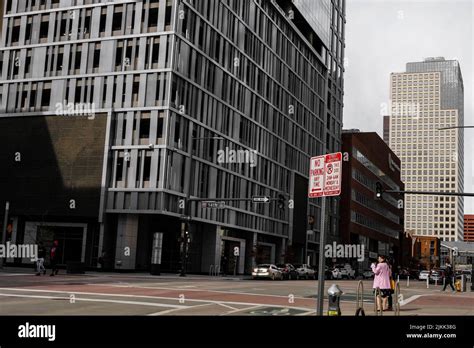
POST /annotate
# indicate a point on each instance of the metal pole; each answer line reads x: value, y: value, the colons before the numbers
x: 4, y: 229
x: 408, y: 281
x: 321, y: 273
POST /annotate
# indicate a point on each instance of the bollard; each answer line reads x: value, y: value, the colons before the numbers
x: 334, y: 297
x: 428, y: 282
x: 408, y: 281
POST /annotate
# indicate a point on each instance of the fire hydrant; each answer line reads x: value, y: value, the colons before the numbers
x: 334, y: 296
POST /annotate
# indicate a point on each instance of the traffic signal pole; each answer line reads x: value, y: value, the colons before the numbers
x: 430, y: 193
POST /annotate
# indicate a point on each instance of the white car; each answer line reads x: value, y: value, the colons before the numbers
x: 346, y: 271
x: 267, y: 271
x: 336, y: 273
x: 424, y: 275
x: 305, y: 271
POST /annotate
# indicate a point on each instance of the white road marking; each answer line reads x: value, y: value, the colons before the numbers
x: 226, y: 306
x: 151, y: 304
x: 150, y: 297
x: 213, y: 291
x: 241, y: 310
x: 177, y: 310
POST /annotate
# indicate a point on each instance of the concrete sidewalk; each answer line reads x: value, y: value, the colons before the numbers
x: 131, y: 275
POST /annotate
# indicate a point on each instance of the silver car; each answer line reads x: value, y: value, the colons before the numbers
x: 424, y: 275
x: 268, y: 271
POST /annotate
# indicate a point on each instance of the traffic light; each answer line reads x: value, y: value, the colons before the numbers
x: 281, y: 202
x: 378, y: 191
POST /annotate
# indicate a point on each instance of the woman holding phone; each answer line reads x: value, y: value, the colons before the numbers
x: 382, y: 281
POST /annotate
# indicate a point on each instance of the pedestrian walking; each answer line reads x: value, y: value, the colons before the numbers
x: 40, y: 260
x: 53, y: 258
x: 382, y: 274
x: 224, y: 265
x: 448, y: 276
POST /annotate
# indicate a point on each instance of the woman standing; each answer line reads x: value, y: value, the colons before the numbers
x: 382, y: 281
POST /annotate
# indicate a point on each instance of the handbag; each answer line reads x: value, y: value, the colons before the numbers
x: 392, y: 284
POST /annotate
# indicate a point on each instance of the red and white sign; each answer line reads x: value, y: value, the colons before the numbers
x: 325, y: 175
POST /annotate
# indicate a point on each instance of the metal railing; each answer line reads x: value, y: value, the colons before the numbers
x: 214, y: 270
x: 360, y: 300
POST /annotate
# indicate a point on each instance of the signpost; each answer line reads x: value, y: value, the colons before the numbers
x: 213, y: 204
x: 260, y: 199
x: 325, y: 177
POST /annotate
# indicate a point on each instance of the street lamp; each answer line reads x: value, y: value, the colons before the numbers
x: 185, y: 225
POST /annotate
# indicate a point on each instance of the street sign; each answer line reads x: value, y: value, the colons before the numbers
x: 325, y: 175
x: 213, y: 204
x: 260, y: 199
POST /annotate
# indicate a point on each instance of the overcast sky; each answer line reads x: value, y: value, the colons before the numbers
x: 383, y: 35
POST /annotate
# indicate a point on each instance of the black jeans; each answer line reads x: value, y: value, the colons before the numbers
x: 448, y: 280
x: 54, y: 266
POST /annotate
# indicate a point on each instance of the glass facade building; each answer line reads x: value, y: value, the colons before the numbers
x: 178, y: 82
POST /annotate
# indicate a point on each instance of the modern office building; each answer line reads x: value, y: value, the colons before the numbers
x: 376, y: 224
x: 427, y: 97
x: 386, y: 129
x: 121, y: 109
x: 468, y: 228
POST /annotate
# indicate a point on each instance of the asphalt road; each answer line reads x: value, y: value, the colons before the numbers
x: 23, y: 293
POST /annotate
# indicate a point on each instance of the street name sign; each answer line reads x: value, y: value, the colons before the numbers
x: 213, y: 204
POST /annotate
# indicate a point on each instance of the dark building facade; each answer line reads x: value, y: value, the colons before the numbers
x: 427, y: 252
x: 468, y: 228
x: 172, y: 85
x: 376, y: 224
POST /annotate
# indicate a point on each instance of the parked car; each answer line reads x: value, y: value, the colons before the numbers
x: 436, y: 276
x: 368, y: 274
x: 336, y: 273
x: 267, y: 271
x: 423, y: 275
x: 404, y: 273
x: 305, y: 271
x: 288, y: 270
x: 468, y: 274
x: 346, y: 271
